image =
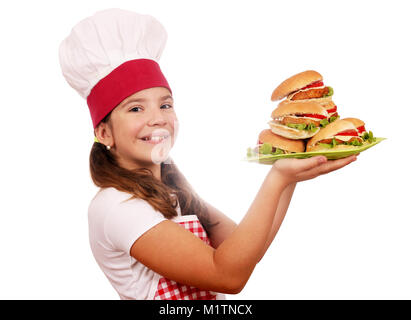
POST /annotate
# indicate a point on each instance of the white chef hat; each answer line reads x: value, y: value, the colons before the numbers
x: 111, y: 55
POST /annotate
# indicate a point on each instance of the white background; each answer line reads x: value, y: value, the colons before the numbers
x: 347, y: 234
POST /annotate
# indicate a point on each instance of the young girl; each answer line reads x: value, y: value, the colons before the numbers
x: 150, y: 233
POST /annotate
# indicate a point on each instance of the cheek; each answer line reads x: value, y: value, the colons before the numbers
x: 131, y: 130
x: 127, y: 128
x: 136, y: 130
x: 128, y: 135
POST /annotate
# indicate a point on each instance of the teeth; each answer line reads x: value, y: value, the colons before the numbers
x: 155, y: 138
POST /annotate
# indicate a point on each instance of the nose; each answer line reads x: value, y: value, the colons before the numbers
x: 157, y: 119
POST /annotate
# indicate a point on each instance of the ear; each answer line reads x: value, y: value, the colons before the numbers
x: 104, y: 134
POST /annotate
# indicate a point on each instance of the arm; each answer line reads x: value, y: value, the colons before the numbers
x: 226, y: 226
x: 177, y: 254
x: 223, y: 227
x: 285, y: 200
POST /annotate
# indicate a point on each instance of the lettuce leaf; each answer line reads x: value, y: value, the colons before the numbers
x: 265, y: 148
x: 324, y: 122
x: 332, y: 119
x: 278, y: 151
x: 299, y: 126
x: 330, y: 92
x: 302, y: 126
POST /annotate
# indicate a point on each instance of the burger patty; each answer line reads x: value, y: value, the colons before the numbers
x: 310, y: 94
x: 299, y: 120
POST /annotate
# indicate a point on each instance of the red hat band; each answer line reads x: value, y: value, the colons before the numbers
x: 128, y: 78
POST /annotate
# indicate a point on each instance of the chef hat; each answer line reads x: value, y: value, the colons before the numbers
x: 111, y: 55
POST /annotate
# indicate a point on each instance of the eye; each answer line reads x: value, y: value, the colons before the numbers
x: 169, y: 106
x: 133, y: 109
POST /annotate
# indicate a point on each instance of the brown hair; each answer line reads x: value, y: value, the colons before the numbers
x: 141, y: 184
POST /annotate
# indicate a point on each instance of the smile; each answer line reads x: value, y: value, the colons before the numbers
x: 155, y: 139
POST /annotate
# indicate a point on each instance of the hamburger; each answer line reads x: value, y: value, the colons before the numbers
x: 338, y: 135
x: 305, y: 85
x: 360, y: 125
x: 308, y: 86
x: 298, y: 120
x: 270, y: 143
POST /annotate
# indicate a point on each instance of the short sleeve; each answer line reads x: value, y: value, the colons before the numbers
x: 128, y: 220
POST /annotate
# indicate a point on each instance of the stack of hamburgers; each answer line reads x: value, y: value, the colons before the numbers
x: 306, y: 119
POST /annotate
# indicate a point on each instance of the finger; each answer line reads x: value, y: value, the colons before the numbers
x: 336, y: 164
x: 307, y: 164
x: 328, y: 167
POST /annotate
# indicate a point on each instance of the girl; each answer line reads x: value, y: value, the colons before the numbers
x: 150, y: 233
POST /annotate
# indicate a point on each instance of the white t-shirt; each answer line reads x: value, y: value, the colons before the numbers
x: 114, y: 225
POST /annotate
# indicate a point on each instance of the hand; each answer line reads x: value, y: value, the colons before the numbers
x: 295, y: 170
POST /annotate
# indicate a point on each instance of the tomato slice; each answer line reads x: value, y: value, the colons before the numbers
x: 332, y: 110
x: 311, y: 115
x: 349, y: 132
x: 361, y: 129
x: 313, y: 85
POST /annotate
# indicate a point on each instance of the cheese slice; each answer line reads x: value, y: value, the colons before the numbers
x: 343, y: 138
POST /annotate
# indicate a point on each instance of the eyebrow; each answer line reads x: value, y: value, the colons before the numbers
x: 144, y: 100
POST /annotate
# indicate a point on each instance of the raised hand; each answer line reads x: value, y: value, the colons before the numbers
x: 295, y: 170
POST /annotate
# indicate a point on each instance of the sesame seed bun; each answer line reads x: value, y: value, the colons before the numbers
x: 267, y: 136
x: 294, y: 83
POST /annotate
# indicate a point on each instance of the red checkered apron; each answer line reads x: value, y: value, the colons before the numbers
x: 170, y: 290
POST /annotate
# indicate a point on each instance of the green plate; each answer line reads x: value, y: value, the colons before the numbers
x: 270, y: 159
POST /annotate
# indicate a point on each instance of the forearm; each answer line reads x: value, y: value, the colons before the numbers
x: 237, y: 256
x: 282, y: 208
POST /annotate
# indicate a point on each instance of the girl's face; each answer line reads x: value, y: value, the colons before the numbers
x: 143, y: 128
